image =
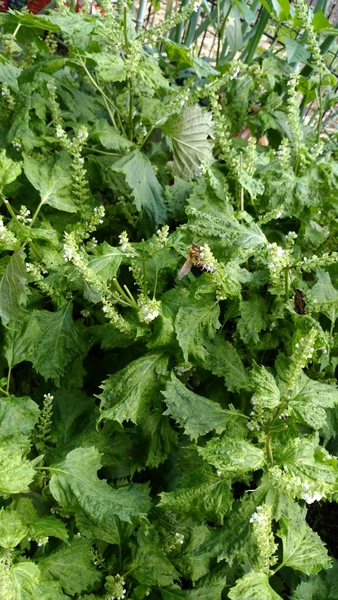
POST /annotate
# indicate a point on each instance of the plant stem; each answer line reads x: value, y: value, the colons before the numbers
x: 144, y: 270
x: 131, y: 107
x: 320, y: 104
x: 268, y: 449
x: 8, y: 380
x: 126, y: 41
x: 286, y: 282
x: 130, y: 300
x: 242, y: 189
x: 105, y: 98
x: 147, y: 137
x: 13, y: 215
x: 101, y: 151
x: 16, y: 29
x: 220, y: 30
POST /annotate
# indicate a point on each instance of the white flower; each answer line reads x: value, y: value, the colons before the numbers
x: 314, y: 498
x: 255, y: 517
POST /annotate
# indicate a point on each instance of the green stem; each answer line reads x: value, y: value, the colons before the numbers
x: 320, y: 118
x: 105, y: 98
x: 130, y: 295
x: 220, y: 31
x: 155, y: 284
x: 36, y: 214
x: 130, y: 300
x: 101, y: 151
x: 4, y: 392
x: 286, y: 282
x: 242, y: 189
x: 131, y: 107
x: 279, y: 567
x: 268, y: 449
x: 147, y: 137
x: 13, y: 215
x: 144, y: 270
x: 126, y: 41
x: 16, y: 29
x: 8, y: 380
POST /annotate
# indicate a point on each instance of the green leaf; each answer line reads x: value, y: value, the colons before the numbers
x: 254, y: 186
x: 18, y: 416
x: 17, y: 345
x: 156, y: 440
x: 144, y: 187
x: 48, y: 527
x: 106, y: 261
x: 50, y: 590
x: 296, y: 52
x: 128, y: 394
x: 25, y: 578
x: 302, y: 459
x: 150, y: 564
x: 77, y: 488
x: 53, y: 179
x: 190, y: 135
x: 9, y: 170
x: 209, y: 501
x: 303, y: 549
x: 233, y: 540
x: 110, y: 67
x: 192, y: 563
x: 224, y: 361
x: 309, y: 399
x: 253, y: 319
x: 267, y: 394
x: 16, y: 473
x: 9, y: 74
x: 12, y: 529
x: 183, y: 57
x: 209, y: 588
x: 324, y: 295
x: 14, y: 290
x: 196, y: 414
x: 150, y: 75
x: 71, y: 565
x: 55, y: 342
x: 319, y: 21
x: 109, y: 137
x: 233, y: 31
x: 314, y: 589
x: 253, y: 586
x: 232, y: 455
x: 196, y: 323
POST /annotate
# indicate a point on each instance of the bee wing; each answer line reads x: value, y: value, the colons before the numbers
x: 185, y: 269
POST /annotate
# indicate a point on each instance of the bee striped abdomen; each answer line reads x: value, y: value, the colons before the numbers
x: 195, y: 258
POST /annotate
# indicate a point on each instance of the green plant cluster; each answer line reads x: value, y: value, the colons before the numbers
x: 163, y: 438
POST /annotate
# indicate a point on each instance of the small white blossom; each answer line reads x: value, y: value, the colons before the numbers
x: 255, y: 517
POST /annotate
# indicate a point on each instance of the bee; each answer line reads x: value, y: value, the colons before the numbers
x: 195, y: 257
x: 300, y: 304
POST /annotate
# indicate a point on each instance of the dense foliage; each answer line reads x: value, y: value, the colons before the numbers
x: 163, y: 437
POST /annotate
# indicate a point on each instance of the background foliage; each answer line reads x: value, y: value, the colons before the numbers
x: 164, y: 438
